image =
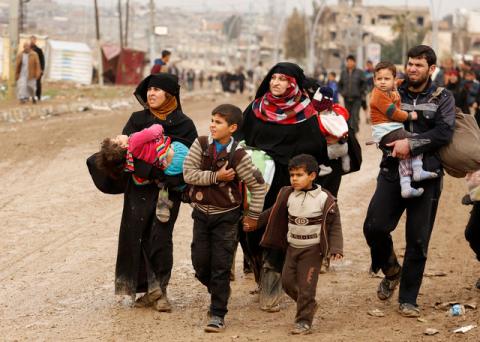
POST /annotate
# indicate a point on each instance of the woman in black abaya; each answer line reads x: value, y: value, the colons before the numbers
x: 145, y: 248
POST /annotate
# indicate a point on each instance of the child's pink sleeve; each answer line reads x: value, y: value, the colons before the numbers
x: 138, y: 139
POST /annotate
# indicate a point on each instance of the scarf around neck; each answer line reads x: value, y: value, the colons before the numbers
x: 292, y: 108
x: 168, y: 106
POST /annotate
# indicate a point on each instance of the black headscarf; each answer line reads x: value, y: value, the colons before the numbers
x: 286, y: 68
x: 162, y: 80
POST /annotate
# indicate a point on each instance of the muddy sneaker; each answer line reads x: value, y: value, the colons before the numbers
x: 215, y: 325
x: 301, y: 328
x: 148, y: 299
x: 408, y: 310
x: 387, y: 287
x: 162, y: 304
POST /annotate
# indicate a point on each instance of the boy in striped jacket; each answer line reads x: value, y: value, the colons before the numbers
x: 216, y: 167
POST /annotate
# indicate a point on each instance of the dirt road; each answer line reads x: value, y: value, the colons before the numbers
x: 59, y: 238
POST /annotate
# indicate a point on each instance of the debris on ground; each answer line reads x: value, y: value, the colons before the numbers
x: 435, y: 274
x: 472, y: 305
x: 465, y: 329
x: 431, y: 331
x: 457, y: 310
x: 376, y: 313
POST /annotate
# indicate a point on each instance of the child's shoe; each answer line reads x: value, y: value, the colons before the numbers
x: 301, y: 328
x: 324, y: 170
x: 409, y: 192
x: 163, y: 206
x: 420, y: 175
x: 406, y: 188
x: 215, y: 325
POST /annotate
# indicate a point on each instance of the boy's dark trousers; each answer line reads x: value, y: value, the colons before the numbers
x: 213, y: 248
x: 472, y: 232
x: 384, y: 212
x: 300, y: 277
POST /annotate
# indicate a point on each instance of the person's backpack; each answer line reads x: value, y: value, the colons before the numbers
x: 462, y: 154
x: 264, y: 164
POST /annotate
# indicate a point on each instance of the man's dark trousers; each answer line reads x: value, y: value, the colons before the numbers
x: 384, y: 212
x: 353, y: 104
x: 38, y: 92
x: 472, y: 232
x: 213, y: 248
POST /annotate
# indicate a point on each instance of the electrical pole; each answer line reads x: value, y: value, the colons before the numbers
x: 312, y: 34
x: 152, y: 33
x: 120, y: 23
x: 99, y: 47
x: 250, y: 33
x: 433, y: 13
x: 13, y: 33
x: 127, y: 15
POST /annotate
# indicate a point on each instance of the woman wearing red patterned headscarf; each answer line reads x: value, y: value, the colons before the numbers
x: 282, y: 122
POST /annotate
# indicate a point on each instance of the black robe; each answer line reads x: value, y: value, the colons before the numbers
x: 145, y: 243
x: 281, y: 142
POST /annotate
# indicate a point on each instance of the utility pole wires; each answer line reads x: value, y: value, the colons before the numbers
x: 99, y: 47
x: 13, y: 34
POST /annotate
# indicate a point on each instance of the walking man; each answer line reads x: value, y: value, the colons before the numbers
x: 41, y: 58
x: 433, y: 128
x: 27, y: 72
x: 352, y: 87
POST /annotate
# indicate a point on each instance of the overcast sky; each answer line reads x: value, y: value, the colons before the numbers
x: 444, y: 6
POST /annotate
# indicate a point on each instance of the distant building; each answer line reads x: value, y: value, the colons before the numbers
x: 343, y: 28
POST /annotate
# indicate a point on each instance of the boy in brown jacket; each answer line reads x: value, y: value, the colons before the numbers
x: 305, y: 222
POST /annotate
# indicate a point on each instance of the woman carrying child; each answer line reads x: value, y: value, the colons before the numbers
x: 145, y: 247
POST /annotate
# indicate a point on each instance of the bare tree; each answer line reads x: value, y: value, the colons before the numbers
x: 295, y: 36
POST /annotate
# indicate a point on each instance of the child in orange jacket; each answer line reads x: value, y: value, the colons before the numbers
x: 388, y: 125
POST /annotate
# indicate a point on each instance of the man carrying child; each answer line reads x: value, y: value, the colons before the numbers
x: 433, y: 128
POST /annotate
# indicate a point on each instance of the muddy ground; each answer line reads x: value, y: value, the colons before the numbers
x: 59, y: 237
